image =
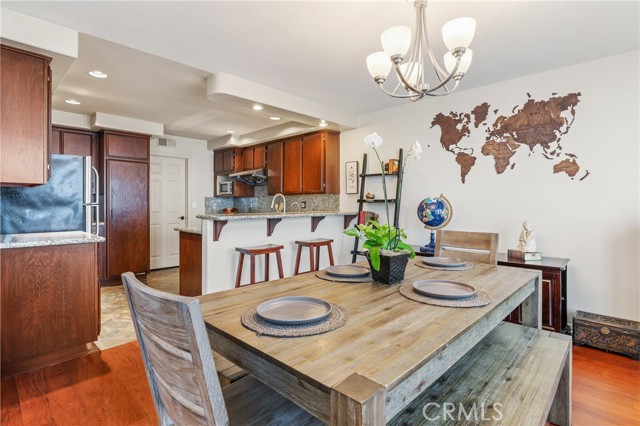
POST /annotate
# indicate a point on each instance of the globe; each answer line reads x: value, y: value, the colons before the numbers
x: 435, y: 213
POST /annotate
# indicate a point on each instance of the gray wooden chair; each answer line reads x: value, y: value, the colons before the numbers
x: 182, y: 373
x: 472, y: 246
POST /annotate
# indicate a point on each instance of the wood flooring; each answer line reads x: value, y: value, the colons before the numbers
x: 109, y: 388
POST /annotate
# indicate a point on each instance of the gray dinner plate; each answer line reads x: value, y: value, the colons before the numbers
x: 443, y: 262
x: 293, y: 310
x: 443, y: 289
x: 347, y: 271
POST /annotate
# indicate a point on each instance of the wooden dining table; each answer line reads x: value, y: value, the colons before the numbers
x: 390, y: 349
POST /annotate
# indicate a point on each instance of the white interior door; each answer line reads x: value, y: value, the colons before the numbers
x: 167, y: 187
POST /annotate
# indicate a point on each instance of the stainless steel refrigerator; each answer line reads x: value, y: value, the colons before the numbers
x: 69, y: 201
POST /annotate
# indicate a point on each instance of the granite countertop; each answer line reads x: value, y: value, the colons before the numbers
x: 40, y: 239
x: 271, y: 215
x: 189, y: 230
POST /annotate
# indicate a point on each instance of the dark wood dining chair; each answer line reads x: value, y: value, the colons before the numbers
x: 472, y: 246
x: 182, y: 373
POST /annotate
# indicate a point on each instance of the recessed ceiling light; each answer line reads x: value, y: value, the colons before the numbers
x: 231, y: 131
x: 97, y: 74
x: 274, y: 118
x: 72, y: 102
x: 257, y: 107
x: 323, y: 123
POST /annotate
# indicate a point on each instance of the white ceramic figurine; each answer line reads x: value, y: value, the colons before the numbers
x: 527, y: 241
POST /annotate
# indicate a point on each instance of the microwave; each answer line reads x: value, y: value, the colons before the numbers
x: 225, y: 188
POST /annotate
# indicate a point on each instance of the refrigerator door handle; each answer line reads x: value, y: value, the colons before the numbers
x: 96, y: 185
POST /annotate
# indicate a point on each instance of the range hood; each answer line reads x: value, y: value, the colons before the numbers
x: 250, y: 177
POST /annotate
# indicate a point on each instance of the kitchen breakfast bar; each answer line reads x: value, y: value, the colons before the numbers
x: 223, y: 233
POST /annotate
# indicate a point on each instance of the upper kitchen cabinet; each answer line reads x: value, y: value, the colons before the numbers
x: 321, y: 163
x: 275, y: 176
x: 253, y: 157
x: 125, y: 162
x: 307, y: 164
x: 75, y: 142
x: 227, y: 160
x: 25, y: 118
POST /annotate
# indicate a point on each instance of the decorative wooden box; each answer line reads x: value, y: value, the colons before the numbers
x: 609, y: 333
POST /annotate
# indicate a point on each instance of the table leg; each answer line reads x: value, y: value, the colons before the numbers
x: 532, y: 306
x: 560, y: 413
x: 358, y: 401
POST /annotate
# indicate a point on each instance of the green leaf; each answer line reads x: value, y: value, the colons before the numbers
x: 374, y: 255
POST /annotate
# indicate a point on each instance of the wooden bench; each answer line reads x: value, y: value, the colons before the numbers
x: 227, y: 371
x: 515, y: 376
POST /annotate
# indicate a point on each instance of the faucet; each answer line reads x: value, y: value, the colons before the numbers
x: 279, y: 207
x: 295, y: 203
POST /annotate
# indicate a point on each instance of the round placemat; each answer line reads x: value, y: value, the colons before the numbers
x: 466, y: 267
x: 324, y: 276
x: 336, y: 319
x: 480, y: 299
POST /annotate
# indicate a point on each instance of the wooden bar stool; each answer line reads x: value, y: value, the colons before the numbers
x: 314, y: 244
x: 266, y: 249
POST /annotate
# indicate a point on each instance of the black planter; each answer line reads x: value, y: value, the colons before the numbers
x: 391, y: 268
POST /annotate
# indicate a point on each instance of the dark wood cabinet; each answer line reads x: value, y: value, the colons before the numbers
x: 227, y: 160
x: 275, y: 176
x: 554, y: 291
x: 75, y: 142
x: 25, y: 118
x: 311, y: 164
x: 232, y: 160
x: 292, y: 166
x: 126, y: 199
x: 253, y: 157
x: 50, y: 305
x: 259, y: 156
x: 190, y: 264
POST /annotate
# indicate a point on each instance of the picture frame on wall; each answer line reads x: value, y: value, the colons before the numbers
x: 351, y: 176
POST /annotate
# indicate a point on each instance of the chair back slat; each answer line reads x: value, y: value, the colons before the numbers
x: 472, y: 246
x: 177, y: 356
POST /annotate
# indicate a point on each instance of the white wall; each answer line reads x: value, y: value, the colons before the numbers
x: 199, y: 172
x: 594, y: 222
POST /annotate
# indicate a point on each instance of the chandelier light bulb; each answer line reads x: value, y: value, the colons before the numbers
x: 458, y: 32
x: 379, y: 65
x: 396, y: 40
x: 465, y: 62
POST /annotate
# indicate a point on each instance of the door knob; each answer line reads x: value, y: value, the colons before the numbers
x: 181, y: 217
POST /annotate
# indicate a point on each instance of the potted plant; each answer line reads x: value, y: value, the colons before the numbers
x: 387, y: 251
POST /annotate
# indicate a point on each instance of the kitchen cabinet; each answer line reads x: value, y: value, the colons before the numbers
x: 307, y: 164
x: 253, y: 157
x: 227, y: 161
x: 50, y: 305
x: 554, y: 291
x: 275, y: 174
x: 75, y: 142
x: 190, y: 264
x: 126, y: 197
x: 292, y: 169
x: 25, y: 118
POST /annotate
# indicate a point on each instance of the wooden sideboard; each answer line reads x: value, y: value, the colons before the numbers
x: 554, y: 290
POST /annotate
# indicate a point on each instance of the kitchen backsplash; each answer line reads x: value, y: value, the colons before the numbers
x: 262, y: 202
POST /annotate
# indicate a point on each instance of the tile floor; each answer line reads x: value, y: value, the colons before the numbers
x: 116, y: 326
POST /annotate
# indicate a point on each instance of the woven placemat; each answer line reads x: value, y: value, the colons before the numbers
x: 466, y: 267
x: 324, y: 276
x: 336, y: 319
x: 480, y: 299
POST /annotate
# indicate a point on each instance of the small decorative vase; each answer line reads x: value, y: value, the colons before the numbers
x: 391, y: 268
x: 369, y: 196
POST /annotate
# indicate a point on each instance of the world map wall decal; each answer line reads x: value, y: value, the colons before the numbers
x: 538, y: 125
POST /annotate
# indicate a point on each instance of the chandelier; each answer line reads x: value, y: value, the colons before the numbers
x: 457, y: 35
